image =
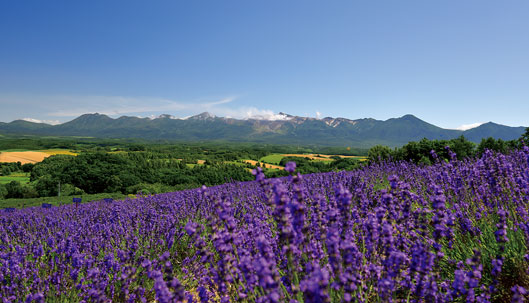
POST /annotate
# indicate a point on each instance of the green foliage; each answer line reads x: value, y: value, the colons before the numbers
x: 420, y: 152
x: 308, y: 166
x: 3, y: 191
x: 462, y: 147
x: 525, y: 136
x: 379, y: 153
x: 272, y: 159
x: 28, y: 167
x: 149, y: 189
x: 96, y: 172
x: 20, y: 177
x: 10, y: 167
x: 346, y: 164
x: 63, y: 199
x: 14, y: 190
x: 492, y: 144
x: 110, y: 165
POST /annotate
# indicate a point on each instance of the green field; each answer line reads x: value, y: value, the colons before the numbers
x: 272, y: 159
x: 238, y: 163
x: 322, y: 160
x: 21, y: 203
x: 20, y: 177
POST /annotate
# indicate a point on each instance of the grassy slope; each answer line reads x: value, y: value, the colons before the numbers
x: 272, y: 159
x: 20, y: 203
x: 20, y: 177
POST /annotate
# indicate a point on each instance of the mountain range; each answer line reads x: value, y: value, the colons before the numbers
x: 288, y: 129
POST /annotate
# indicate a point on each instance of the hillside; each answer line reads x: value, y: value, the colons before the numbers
x: 289, y: 130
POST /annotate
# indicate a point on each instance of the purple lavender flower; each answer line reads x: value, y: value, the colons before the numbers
x: 290, y: 167
x: 519, y: 294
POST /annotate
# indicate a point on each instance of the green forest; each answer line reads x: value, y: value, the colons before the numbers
x: 121, y: 167
x: 135, y: 167
x: 421, y: 151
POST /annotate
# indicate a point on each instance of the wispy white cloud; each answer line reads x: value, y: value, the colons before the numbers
x: 248, y: 113
x: 220, y: 102
x: 469, y: 126
x: 52, y: 108
x: 118, y: 105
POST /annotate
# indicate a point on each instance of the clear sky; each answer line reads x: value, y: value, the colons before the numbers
x: 450, y: 63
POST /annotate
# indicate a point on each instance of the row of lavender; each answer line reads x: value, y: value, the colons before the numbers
x: 454, y: 231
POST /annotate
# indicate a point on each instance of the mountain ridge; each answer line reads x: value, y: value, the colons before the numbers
x: 287, y: 129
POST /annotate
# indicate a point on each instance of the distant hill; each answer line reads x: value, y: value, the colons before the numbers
x: 287, y: 129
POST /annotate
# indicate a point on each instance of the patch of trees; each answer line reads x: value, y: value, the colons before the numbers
x: 15, y: 189
x: 127, y: 173
x: 421, y: 151
x: 131, y: 166
x: 7, y: 168
x: 305, y: 165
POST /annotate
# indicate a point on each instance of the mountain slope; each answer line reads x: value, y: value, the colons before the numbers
x: 288, y: 130
x: 494, y: 130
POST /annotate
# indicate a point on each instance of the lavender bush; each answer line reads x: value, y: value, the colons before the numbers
x: 392, y: 232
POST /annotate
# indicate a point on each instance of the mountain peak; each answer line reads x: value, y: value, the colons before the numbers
x: 285, y: 114
x: 409, y: 117
x: 89, y: 120
x: 92, y: 117
x: 165, y: 116
x: 202, y: 116
x: 263, y: 126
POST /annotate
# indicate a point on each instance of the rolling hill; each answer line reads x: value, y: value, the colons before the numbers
x: 287, y: 130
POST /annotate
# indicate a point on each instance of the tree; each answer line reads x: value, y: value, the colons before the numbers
x: 525, y: 137
x: 47, y: 186
x: 463, y: 147
x: 14, y: 190
x: 3, y: 191
x: 379, y: 153
x: 29, y: 192
x: 492, y: 144
x: 27, y: 167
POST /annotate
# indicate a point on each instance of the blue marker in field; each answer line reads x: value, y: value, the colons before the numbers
x: 108, y: 200
x: 46, y: 205
x: 77, y: 200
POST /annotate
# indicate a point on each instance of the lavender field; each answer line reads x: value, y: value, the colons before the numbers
x: 394, y: 232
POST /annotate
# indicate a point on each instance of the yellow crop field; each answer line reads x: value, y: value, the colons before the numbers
x: 322, y: 157
x: 52, y: 152
x: 23, y: 157
x: 264, y: 165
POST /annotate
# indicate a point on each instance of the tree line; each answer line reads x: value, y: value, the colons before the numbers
x: 127, y: 173
x: 421, y: 151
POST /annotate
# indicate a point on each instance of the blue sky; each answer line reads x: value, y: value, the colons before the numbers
x: 450, y: 63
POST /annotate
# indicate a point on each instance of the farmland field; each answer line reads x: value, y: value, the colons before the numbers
x: 453, y: 231
x: 20, y: 177
x: 273, y: 158
x: 276, y: 158
x: 23, y: 156
x: 58, y: 152
x: 26, y: 156
x: 264, y: 165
